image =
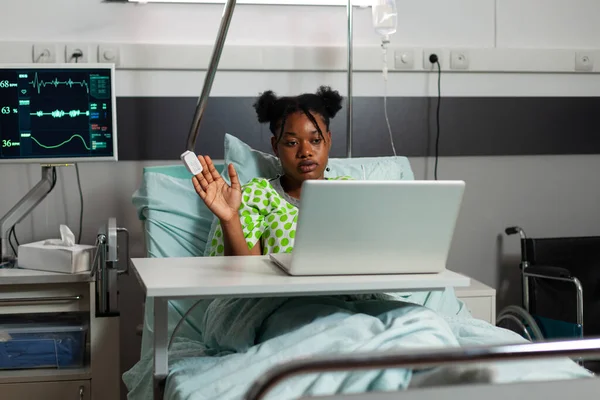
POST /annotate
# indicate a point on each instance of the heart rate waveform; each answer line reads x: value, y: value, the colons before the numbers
x: 38, y: 83
x: 57, y: 145
x: 61, y: 113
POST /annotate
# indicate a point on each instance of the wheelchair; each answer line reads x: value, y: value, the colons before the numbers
x: 560, y: 280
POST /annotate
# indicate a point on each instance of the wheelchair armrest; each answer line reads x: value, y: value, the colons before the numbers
x: 549, y: 271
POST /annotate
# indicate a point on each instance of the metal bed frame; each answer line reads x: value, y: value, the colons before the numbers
x: 589, y: 348
x: 578, y: 348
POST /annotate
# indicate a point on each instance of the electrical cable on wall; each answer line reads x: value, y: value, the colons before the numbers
x: 434, y: 60
x: 437, y: 121
x: 76, y: 54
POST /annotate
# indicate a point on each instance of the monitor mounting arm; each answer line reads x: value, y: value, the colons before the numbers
x: 24, y: 207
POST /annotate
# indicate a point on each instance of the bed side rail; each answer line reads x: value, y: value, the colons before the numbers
x: 588, y: 348
x: 579, y: 388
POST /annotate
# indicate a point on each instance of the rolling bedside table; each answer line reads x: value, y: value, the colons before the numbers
x: 480, y: 300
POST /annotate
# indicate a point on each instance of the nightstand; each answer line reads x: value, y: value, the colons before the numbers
x: 480, y: 300
x: 31, y: 292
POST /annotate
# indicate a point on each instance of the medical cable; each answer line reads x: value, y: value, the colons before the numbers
x: 80, y: 203
x: 13, y: 232
x: 10, y: 235
x: 181, y: 321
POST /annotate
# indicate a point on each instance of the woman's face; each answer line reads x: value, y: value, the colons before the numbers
x: 302, y: 151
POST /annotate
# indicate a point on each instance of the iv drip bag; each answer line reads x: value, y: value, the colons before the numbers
x: 385, y: 17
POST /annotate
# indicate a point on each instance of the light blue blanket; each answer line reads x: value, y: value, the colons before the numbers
x: 242, y: 338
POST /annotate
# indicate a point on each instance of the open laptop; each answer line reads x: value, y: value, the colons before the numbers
x: 373, y: 227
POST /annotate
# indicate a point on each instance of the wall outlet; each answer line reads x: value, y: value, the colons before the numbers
x: 459, y: 59
x: 109, y: 54
x: 77, y: 48
x: 404, y: 59
x: 584, y: 62
x: 427, y: 65
x: 44, y: 53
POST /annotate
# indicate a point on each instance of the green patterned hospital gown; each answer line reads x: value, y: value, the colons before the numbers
x: 267, y: 214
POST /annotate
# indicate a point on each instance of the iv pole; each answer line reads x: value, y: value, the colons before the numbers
x: 349, y: 77
x: 210, y: 74
x: 214, y: 63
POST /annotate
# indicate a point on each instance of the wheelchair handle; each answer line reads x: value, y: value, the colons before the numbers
x: 513, y: 230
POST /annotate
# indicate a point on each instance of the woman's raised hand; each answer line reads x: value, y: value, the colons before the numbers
x: 221, y: 199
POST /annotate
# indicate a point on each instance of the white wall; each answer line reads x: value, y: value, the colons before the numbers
x: 462, y: 22
x: 555, y: 195
x: 468, y: 23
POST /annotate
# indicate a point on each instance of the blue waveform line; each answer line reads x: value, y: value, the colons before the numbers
x: 38, y: 83
x: 61, y: 113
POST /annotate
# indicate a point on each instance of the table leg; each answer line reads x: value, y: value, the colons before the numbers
x: 161, y: 355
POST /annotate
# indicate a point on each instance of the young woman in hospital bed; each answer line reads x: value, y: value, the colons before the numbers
x: 239, y: 339
x: 261, y: 217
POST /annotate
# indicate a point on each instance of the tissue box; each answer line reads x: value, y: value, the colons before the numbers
x: 52, y: 258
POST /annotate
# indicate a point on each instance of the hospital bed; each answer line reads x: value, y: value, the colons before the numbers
x: 208, y: 363
x: 175, y: 276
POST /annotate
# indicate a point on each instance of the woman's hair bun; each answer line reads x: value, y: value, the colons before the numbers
x: 331, y: 99
x: 265, y: 105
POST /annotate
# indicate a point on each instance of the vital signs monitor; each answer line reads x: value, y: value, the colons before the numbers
x: 57, y: 113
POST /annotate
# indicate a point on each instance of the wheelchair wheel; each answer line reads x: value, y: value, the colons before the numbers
x: 518, y: 320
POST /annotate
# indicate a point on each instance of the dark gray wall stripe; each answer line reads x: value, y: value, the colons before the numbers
x: 156, y: 128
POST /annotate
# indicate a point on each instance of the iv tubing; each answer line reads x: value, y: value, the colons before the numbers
x: 384, y: 44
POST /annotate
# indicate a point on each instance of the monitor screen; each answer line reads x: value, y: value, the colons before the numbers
x: 57, y: 113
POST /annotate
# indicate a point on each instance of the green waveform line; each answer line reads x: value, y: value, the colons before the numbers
x: 38, y: 83
x: 61, y: 113
x: 61, y: 144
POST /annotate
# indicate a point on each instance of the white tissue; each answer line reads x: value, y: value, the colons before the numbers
x: 56, y: 255
x: 67, y: 238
